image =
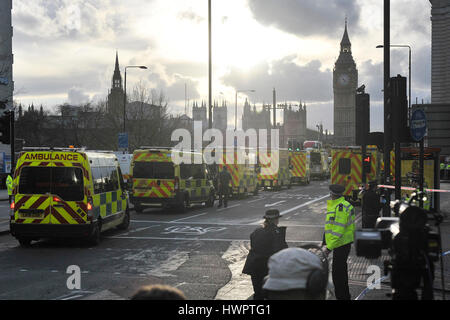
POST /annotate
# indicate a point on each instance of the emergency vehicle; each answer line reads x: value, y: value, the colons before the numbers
x: 347, y: 165
x: 244, y: 176
x: 124, y: 160
x: 411, y: 173
x: 318, y: 164
x: 273, y: 169
x: 158, y: 181
x: 66, y: 193
x: 299, y: 167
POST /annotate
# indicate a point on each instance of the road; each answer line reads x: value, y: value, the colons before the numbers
x: 201, y: 252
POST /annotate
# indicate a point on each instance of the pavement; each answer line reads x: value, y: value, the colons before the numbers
x: 359, y: 268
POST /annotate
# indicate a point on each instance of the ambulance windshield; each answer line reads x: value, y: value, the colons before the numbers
x: 65, y: 182
x: 153, y: 170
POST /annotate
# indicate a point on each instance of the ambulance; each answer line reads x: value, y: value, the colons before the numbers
x: 243, y: 172
x: 159, y: 181
x: 347, y: 165
x: 273, y: 169
x: 318, y: 164
x: 67, y: 193
x: 299, y: 167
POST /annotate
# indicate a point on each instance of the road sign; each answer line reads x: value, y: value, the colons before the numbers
x: 418, y: 124
x: 123, y: 141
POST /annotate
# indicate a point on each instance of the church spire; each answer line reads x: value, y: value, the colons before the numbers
x: 117, y: 77
x: 345, y: 42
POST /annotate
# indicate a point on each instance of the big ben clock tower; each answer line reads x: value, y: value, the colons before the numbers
x: 345, y: 82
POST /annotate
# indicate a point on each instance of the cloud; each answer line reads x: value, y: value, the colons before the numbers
x: 307, y: 17
x: 189, y: 14
x: 293, y: 82
x: 77, y: 96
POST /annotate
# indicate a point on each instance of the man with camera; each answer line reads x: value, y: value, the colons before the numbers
x: 338, y: 237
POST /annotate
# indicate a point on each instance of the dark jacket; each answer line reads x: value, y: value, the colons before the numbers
x: 224, y: 178
x: 264, y: 242
x: 371, y: 203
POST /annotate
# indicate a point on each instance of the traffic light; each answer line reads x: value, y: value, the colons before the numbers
x: 297, y: 146
x: 362, y: 118
x: 367, y: 159
x: 5, y: 129
x: 399, y: 109
x: 290, y: 143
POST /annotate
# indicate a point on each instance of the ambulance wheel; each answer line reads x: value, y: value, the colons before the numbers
x: 24, y: 242
x: 94, y: 239
x: 210, y: 202
x: 126, y: 221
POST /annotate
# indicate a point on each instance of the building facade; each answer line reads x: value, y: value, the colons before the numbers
x: 294, y: 124
x: 345, y: 81
x: 440, y: 44
x: 6, y: 55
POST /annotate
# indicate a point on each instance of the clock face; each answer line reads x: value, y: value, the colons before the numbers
x: 343, y: 79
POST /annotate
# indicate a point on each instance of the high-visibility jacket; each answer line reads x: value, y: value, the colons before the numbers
x: 339, y: 223
x: 443, y: 166
x: 426, y: 203
x: 9, y: 184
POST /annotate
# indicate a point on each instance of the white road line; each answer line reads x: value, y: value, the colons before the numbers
x: 202, y: 239
x: 303, y: 205
x: 274, y: 204
x: 221, y: 223
x: 73, y: 297
x: 262, y: 198
x: 197, y: 215
x: 236, y: 205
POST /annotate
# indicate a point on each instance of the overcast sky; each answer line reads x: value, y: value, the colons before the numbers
x: 64, y: 50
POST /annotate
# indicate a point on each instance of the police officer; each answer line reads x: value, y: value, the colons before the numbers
x: 224, y: 189
x: 9, y: 186
x: 370, y: 205
x: 338, y: 238
x: 264, y: 242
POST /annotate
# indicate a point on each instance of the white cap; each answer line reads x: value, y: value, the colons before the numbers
x: 289, y: 269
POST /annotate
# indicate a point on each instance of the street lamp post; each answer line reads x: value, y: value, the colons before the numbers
x: 409, y: 71
x: 125, y: 93
x: 235, y: 106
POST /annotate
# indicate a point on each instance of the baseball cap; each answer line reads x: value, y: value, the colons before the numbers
x: 289, y: 269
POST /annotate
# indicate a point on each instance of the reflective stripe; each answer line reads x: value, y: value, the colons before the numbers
x: 333, y: 233
x: 334, y: 223
x: 331, y: 212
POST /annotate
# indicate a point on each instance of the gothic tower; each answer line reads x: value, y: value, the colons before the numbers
x: 345, y: 82
x: 115, y: 96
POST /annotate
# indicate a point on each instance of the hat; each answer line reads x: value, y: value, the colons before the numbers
x: 290, y: 268
x: 337, y: 189
x: 272, y: 214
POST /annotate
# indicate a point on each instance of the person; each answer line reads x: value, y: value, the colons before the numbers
x: 9, y: 186
x: 224, y: 186
x: 338, y: 237
x: 158, y: 292
x: 264, y: 242
x: 297, y: 274
x: 371, y: 205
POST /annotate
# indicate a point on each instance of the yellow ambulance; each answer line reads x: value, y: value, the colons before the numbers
x: 347, y: 165
x: 318, y: 164
x: 67, y: 193
x: 273, y: 169
x: 299, y: 167
x: 158, y: 181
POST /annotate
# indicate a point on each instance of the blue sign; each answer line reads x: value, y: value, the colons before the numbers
x: 123, y: 140
x: 418, y: 124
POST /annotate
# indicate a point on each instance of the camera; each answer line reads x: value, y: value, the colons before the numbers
x: 413, y: 246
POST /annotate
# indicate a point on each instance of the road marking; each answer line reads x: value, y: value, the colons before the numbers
x: 197, y: 215
x: 274, y: 204
x: 295, y: 208
x: 200, y: 239
x: 256, y: 200
x: 236, y: 205
x: 221, y: 223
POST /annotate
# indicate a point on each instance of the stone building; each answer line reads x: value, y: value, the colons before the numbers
x: 294, y: 124
x: 116, y: 94
x: 440, y: 58
x: 345, y: 81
